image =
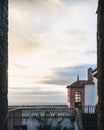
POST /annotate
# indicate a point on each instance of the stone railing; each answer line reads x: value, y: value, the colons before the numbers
x: 18, y: 115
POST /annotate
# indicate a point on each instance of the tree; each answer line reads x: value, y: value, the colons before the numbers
x: 3, y: 62
x: 100, y: 63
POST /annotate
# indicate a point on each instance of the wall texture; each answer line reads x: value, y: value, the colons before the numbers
x: 100, y: 63
x: 3, y: 61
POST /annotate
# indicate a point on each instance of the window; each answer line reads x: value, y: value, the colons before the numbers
x: 78, y: 97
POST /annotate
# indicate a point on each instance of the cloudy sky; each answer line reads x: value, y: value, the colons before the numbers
x: 50, y: 43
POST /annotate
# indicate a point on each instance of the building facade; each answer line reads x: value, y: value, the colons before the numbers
x: 82, y: 92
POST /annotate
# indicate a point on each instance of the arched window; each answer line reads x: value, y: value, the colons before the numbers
x: 78, y: 98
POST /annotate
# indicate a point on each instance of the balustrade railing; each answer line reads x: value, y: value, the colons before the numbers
x: 20, y: 115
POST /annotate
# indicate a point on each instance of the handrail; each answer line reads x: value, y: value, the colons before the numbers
x: 14, y: 109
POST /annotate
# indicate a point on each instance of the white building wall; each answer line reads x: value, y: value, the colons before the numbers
x: 91, y: 94
x: 95, y: 80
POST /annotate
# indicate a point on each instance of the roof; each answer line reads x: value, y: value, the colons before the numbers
x: 80, y: 83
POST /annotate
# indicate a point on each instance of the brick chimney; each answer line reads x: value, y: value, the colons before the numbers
x: 90, y: 76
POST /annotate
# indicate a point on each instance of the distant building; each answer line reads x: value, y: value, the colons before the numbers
x: 83, y: 92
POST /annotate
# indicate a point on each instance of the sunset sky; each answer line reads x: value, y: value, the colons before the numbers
x: 50, y: 43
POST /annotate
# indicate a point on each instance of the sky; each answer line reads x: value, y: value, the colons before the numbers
x: 50, y: 43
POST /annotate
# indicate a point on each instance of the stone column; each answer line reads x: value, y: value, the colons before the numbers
x: 100, y: 63
x: 3, y: 62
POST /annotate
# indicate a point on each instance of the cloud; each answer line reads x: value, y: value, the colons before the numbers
x: 91, y: 52
x: 35, y: 93
x: 49, y: 35
x: 45, y: 34
x: 66, y: 75
x: 38, y: 91
x: 80, y: 2
x: 76, y: 36
x: 52, y: 2
x: 18, y: 66
x: 21, y: 47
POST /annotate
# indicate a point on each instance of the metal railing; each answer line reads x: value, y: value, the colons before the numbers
x: 89, y: 109
x: 85, y: 110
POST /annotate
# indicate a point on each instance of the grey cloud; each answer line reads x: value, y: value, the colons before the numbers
x: 35, y: 91
x: 77, y: 1
x: 91, y: 52
x: 28, y: 90
x: 65, y: 76
x: 51, y: 1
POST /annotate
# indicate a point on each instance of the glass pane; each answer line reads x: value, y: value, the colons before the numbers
x: 77, y: 96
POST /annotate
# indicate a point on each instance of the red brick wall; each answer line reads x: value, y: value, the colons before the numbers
x: 71, y: 96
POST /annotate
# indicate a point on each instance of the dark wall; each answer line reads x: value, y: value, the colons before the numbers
x: 100, y: 63
x: 3, y: 61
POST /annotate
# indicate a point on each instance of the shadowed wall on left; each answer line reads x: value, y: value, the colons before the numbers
x: 3, y: 63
